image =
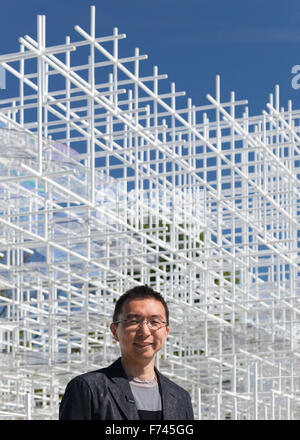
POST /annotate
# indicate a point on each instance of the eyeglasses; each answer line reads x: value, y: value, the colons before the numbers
x: 135, y: 323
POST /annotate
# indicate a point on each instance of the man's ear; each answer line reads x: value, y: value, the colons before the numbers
x: 167, y: 329
x: 113, y: 329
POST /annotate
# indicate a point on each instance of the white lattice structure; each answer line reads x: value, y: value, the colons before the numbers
x: 105, y: 183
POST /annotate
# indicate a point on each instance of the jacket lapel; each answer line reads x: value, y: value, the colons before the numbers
x: 169, y: 399
x: 121, y: 391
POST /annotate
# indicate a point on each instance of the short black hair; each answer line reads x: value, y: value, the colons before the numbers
x: 138, y: 292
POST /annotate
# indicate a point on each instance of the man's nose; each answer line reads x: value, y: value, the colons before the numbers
x: 143, y: 327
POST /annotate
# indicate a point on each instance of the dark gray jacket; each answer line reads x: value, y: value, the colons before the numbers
x: 105, y: 394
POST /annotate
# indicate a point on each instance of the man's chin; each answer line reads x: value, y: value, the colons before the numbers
x: 144, y: 350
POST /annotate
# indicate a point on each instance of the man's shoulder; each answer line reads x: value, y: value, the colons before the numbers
x: 90, y: 376
x: 96, y: 376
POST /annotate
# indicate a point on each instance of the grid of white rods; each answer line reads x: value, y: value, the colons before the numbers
x: 110, y: 178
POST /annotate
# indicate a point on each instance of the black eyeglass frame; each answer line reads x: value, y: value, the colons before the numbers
x: 165, y: 323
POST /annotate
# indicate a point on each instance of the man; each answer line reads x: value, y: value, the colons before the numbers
x: 131, y: 388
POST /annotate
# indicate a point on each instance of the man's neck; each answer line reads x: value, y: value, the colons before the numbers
x: 139, y: 371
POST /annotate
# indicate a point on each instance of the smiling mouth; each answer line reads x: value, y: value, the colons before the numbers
x: 143, y: 345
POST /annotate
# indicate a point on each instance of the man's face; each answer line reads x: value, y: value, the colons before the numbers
x: 140, y: 343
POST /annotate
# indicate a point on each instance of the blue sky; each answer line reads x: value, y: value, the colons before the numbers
x: 253, y: 44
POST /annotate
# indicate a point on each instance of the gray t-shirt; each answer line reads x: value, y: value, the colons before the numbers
x: 147, y: 398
